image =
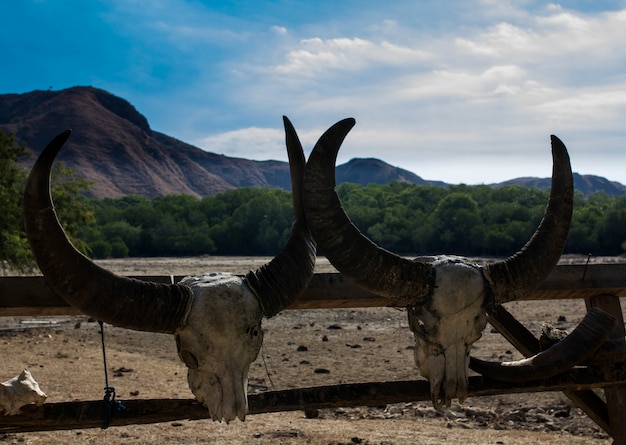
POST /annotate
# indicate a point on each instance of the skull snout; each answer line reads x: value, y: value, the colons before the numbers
x: 446, y: 372
x: 455, y: 384
x: 224, y: 396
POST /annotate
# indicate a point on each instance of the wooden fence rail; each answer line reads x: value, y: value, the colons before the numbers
x: 89, y: 414
x: 30, y: 296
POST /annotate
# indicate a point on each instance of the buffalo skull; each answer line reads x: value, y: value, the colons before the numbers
x: 215, y: 318
x: 448, y: 298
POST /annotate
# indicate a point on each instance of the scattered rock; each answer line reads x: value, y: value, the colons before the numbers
x: 287, y: 433
x: 530, y: 419
x: 119, y: 372
x: 311, y: 413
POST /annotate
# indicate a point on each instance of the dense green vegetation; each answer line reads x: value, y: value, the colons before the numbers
x: 404, y: 218
x: 73, y: 209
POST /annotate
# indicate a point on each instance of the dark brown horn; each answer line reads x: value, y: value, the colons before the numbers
x: 612, y: 351
x: 517, y: 275
x: 120, y: 301
x: 281, y: 281
x: 351, y: 252
x: 576, y: 348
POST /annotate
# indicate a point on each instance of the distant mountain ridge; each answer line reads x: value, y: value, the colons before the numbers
x: 114, y: 146
x: 374, y: 171
x: 586, y: 184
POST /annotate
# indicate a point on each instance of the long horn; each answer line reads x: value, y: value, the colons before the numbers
x: 120, y: 301
x: 351, y: 252
x: 576, y: 348
x: 517, y: 275
x: 281, y: 281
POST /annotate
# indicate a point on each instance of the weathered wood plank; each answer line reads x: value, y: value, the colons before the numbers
x: 29, y: 296
x: 89, y: 414
x: 515, y: 332
x: 582, y: 281
x: 615, y: 397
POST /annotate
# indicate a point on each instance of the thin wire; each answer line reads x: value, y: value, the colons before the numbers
x: 267, y: 371
x: 104, y: 355
x: 586, y: 264
x: 110, y: 404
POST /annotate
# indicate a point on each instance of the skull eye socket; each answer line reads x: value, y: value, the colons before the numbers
x: 187, y: 357
x: 190, y: 360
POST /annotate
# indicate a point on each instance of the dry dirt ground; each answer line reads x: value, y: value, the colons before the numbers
x: 301, y: 348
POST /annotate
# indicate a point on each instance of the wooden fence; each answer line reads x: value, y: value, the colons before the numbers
x: 600, y: 390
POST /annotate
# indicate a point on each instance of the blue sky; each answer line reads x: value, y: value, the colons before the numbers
x: 460, y: 91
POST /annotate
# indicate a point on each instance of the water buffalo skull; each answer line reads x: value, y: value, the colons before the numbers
x: 447, y: 297
x: 215, y: 318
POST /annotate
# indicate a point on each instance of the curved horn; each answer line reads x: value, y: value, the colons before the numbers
x: 120, y: 301
x: 351, y: 252
x: 576, y: 348
x: 281, y: 281
x: 512, y: 278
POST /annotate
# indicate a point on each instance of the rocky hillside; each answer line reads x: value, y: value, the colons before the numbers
x: 114, y: 146
x: 586, y: 184
x: 369, y: 170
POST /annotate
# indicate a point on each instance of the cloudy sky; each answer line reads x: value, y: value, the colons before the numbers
x: 464, y: 91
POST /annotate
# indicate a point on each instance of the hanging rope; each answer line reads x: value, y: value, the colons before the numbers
x: 110, y: 404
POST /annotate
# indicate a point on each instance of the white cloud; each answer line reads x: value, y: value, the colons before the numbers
x: 281, y: 30
x: 592, y: 106
x: 253, y: 142
x: 479, y: 91
x: 316, y: 55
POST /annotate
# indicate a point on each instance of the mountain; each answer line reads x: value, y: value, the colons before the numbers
x: 586, y: 184
x: 369, y: 170
x: 114, y: 146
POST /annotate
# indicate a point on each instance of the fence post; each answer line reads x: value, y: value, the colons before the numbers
x: 615, y: 397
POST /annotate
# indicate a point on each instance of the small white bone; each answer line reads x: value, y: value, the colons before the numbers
x: 20, y: 391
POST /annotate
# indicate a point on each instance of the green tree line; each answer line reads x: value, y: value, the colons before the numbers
x: 401, y: 217
x: 404, y: 218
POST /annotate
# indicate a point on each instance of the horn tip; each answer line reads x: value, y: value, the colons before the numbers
x: 558, y: 147
x: 556, y: 141
x: 63, y: 136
